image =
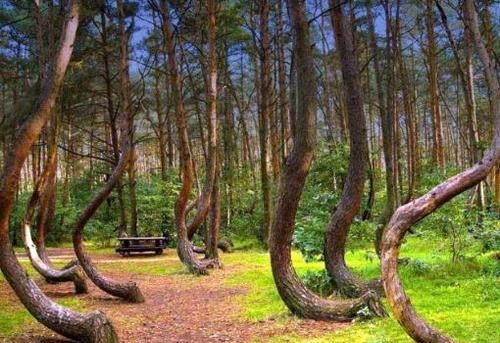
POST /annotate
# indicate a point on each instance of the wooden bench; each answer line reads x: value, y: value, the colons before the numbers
x: 128, y: 245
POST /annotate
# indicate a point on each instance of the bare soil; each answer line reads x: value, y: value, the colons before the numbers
x: 178, y: 308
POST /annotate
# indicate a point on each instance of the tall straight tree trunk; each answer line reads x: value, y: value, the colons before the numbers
x: 350, y: 202
x: 437, y: 126
x: 283, y: 96
x: 93, y: 327
x: 411, y: 131
x: 386, y: 119
x: 126, y: 106
x: 300, y: 300
x: 409, y: 214
x: 122, y: 228
x: 212, y: 237
x: 264, y: 110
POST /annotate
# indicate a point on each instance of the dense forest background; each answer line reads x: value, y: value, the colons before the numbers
x: 390, y: 97
x: 414, y: 84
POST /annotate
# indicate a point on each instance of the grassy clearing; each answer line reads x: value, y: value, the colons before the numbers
x: 461, y: 299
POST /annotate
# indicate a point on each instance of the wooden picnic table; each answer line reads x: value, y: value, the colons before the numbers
x: 128, y: 245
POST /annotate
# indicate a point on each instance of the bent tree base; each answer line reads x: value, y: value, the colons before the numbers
x: 407, y: 215
x: 74, y: 273
x: 128, y: 291
x: 346, y: 283
x: 88, y: 328
x: 296, y: 296
x: 94, y: 327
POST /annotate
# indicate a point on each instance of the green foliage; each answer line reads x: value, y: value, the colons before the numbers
x: 155, y: 205
x: 418, y: 267
x: 464, y: 229
x: 318, y: 281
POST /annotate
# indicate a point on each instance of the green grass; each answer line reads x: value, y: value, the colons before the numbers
x: 461, y: 299
x: 15, y: 319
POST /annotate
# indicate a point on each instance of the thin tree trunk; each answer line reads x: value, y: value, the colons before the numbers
x: 437, y: 128
x: 203, y: 203
x: 122, y: 228
x: 264, y: 110
x: 126, y: 106
x: 387, y: 133
x: 72, y: 274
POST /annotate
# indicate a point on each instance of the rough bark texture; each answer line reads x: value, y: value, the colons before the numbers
x: 264, y: 110
x: 184, y: 246
x: 387, y: 133
x: 203, y: 203
x: 437, y: 127
x: 72, y: 274
x: 128, y: 291
x: 348, y: 206
x: 405, y: 216
x: 296, y: 296
x: 126, y: 107
x: 93, y: 327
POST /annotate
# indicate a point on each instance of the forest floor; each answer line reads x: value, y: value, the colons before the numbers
x: 239, y: 303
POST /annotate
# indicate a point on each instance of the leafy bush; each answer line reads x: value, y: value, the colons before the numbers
x: 418, y: 267
x: 318, y: 281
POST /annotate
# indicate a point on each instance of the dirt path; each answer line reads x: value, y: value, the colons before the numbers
x: 179, y: 308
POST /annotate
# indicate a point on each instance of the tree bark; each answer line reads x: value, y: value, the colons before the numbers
x: 72, y: 274
x: 264, y: 110
x: 467, y: 81
x: 296, y: 296
x: 46, y: 213
x: 348, y: 206
x: 93, y: 327
x: 437, y: 127
x: 122, y: 228
x: 407, y: 215
x: 126, y: 107
x: 184, y: 247
x: 203, y: 203
x: 128, y: 291
x: 387, y: 133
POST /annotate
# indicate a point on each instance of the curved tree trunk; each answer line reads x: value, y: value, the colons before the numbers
x: 407, y: 215
x: 72, y: 274
x: 93, y: 327
x: 203, y: 203
x: 347, y: 208
x: 296, y: 296
x: 128, y: 291
x: 184, y: 246
x: 47, y: 199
